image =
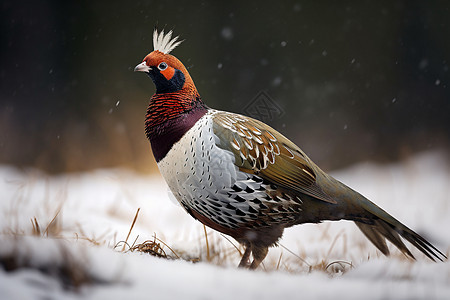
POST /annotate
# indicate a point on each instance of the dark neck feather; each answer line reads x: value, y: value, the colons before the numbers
x: 169, y: 117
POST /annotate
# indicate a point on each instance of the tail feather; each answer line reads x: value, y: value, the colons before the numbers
x: 421, y: 243
x: 378, y: 232
x: 392, y: 236
x: 380, y: 226
x: 374, y: 236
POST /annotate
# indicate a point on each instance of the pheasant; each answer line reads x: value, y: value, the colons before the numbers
x: 241, y: 177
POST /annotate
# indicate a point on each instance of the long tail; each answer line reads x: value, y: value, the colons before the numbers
x: 381, y: 226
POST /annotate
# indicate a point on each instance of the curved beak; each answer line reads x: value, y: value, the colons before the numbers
x: 142, y: 67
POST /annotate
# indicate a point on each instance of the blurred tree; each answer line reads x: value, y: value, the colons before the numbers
x: 357, y: 80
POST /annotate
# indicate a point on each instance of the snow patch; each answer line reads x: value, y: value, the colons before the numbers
x: 99, y: 207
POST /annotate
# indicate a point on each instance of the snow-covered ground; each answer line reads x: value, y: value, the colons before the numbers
x: 57, y: 232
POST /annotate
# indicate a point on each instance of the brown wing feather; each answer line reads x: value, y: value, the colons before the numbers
x: 260, y: 149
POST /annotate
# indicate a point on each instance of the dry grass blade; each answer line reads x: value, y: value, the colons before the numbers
x: 36, y: 228
x: 177, y: 256
x: 238, y: 250
x: 341, y: 263
x: 52, y: 228
x: 279, y: 261
x: 208, y: 256
x: 151, y: 247
x: 301, y: 259
x: 131, y: 228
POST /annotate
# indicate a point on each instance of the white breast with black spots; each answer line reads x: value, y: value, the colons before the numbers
x: 204, y: 177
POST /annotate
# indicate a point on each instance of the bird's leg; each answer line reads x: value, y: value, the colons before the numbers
x: 259, y: 253
x: 245, y: 261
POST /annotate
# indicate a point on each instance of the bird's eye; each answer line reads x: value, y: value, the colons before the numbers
x: 162, y: 66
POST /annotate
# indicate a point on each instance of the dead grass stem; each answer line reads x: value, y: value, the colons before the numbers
x: 131, y: 228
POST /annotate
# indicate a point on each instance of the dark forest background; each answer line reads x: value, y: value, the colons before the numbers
x: 349, y: 80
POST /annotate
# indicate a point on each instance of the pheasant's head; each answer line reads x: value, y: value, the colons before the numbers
x: 167, y: 72
x: 176, y: 106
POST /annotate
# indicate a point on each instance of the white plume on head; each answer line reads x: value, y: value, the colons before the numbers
x: 164, y: 43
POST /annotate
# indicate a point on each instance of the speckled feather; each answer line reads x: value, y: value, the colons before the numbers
x: 205, y: 178
x: 261, y: 150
